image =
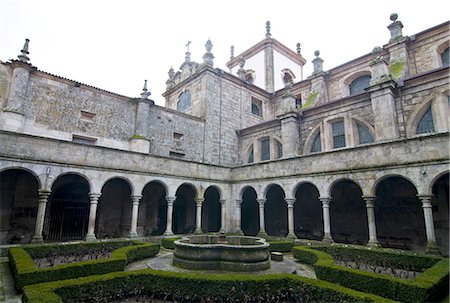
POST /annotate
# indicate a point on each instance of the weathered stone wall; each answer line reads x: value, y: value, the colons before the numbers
x: 5, y: 80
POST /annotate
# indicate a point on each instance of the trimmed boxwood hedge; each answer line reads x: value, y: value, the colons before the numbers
x: 182, y: 287
x: 428, y: 286
x: 168, y: 242
x: 25, y: 271
x: 280, y: 245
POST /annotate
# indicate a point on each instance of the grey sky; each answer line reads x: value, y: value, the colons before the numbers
x: 115, y: 45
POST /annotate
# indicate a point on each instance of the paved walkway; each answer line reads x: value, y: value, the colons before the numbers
x: 163, y: 261
x: 8, y: 292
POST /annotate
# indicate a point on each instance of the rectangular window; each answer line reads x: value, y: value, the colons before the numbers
x: 256, y: 107
x: 87, y: 116
x: 265, y: 149
x: 279, y: 150
x: 338, y: 134
x: 84, y: 139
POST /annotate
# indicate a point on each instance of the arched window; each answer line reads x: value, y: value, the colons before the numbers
x: 358, y: 85
x: 316, y: 145
x: 250, y: 157
x: 445, y: 57
x: 265, y: 148
x: 184, y: 101
x: 338, y: 134
x: 256, y: 107
x: 426, y: 124
x: 364, y: 134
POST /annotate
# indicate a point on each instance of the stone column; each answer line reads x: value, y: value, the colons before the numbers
x: 429, y: 223
x: 170, y: 201
x: 262, y: 228
x: 290, y: 206
x: 222, y: 215
x: 43, y: 198
x: 373, y: 241
x: 134, y: 215
x: 90, y: 236
x: 239, y: 216
x: 199, y: 202
x: 326, y: 219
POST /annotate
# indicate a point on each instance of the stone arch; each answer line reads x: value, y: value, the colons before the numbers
x: 333, y: 183
x: 61, y: 175
x: 436, y: 50
x: 345, y: 82
x: 310, y: 138
x: 348, y: 214
x: 114, y: 209
x: 275, y: 211
x: 382, y: 178
x: 184, y: 209
x: 440, y: 207
x: 125, y: 179
x: 25, y: 169
x: 307, y: 212
x: 416, y: 116
x: 152, y: 218
x: 211, y: 210
x: 68, y: 208
x: 370, y: 128
x: 398, y: 214
x: 249, y: 211
x: 19, y: 204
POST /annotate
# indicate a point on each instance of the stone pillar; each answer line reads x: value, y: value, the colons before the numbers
x: 199, y: 202
x: 290, y: 134
x: 90, y: 236
x: 170, y: 201
x: 290, y: 206
x: 134, y: 215
x: 269, y: 66
x: 43, y: 198
x: 429, y: 223
x: 326, y: 219
x: 239, y: 216
x: 373, y: 241
x: 262, y: 228
x: 222, y: 215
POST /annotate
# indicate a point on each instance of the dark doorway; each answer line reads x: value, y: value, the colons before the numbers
x: 348, y: 214
x: 153, y: 210
x: 308, y: 222
x: 275, y: 212
x: 249, y: 212
x: 211, y: 210
x: 440, y: 212
x: 184, y: 210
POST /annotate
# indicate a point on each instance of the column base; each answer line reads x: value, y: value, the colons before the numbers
x: 168, y: 233
x: 198, y: 231
x: 373, y: 243
x: 327, y: 239
x: 262, y: 234
x: 90, y: 238
x: 37, y: 240
x: 133, y: 235
x: 291, y: 236
x: 432, y: 249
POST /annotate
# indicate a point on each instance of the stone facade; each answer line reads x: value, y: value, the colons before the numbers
x: 340, y: 142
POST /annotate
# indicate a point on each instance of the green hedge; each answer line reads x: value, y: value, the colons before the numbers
x: 182, y: 287
x: 25, y: 271
x: 168, y: 242
x: 280, y: 245
x: 428, y: 286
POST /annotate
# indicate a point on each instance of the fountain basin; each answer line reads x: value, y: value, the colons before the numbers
x: 233, y: 253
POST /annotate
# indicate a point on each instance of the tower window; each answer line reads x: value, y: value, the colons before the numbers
x: 359, y: 85
x: 316, y: 145
x: 298, y: 101
x: 184, y: 101
x: 256, y: 107
x: 265, y: 149
x: 279, y: 150
x: 338, y: 134
x: 426, y: 124
x: 364, y: 134
x: 445, y: 57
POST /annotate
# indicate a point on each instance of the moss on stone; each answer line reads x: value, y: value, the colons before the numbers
x: 396, y: 69
x: 137, y: 137
x: 312, y: 97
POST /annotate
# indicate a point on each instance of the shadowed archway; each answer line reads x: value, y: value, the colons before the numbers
x: 275, y: 212
x: 249, y: 212
x: 308, y: 222
x: 441, y: 212
x: 152, y: 210
x: 184, y: 210
x: 211, y: 210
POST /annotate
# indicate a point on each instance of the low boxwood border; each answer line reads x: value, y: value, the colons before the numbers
x: 25, y: 271
x: 428, y: 286
x: 168, y: 243
x: 281, y: 245
x: 182, y: 287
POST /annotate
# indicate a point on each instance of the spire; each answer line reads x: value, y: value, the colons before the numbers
x: 145, y: 93
x: 23, y: 57
x: 299, y: 50
x: 268, y: 35
x: 208, y: 57
x: 188, y: 54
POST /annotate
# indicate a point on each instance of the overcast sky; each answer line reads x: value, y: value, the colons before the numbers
x: 115, y: 45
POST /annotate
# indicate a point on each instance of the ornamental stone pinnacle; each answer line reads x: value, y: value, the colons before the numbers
x: 299, y: 48
x: 145, y: 93
x: 208, y: 57
x: 232, y: 52
x: 23, y: 57
x: 171, y: 73
x: 268, y: 34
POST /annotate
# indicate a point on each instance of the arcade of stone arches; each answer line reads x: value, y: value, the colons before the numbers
x: 396, y: 216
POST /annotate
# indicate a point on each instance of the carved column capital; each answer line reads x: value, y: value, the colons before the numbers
x: 261, y: 202
x: 290, y: 202
x: 369, y: 201
x: 325, y: 201
x: 94, y: 197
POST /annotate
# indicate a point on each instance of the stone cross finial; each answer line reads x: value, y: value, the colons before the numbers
x: 299, y: 48
x: 145, y: 93
x: 232, y: 52
x: 268, y: 29
x: 187, y: 45
x: 188, y: 54
x: 23, y: 57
